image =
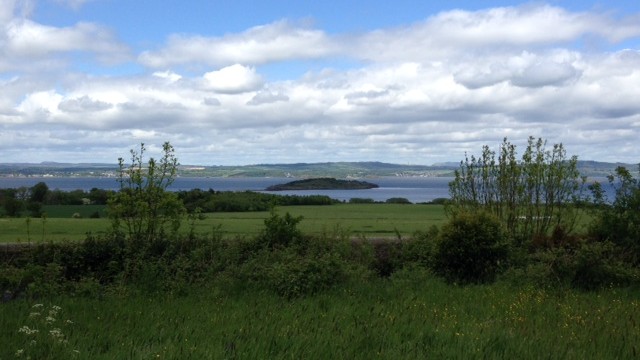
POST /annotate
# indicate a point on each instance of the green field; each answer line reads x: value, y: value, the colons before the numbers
x: 405, y: 317
x: 371, y: 220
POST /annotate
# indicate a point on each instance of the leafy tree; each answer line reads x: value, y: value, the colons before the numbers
x: 530, y: 195
x: 143, y: 208
x: 618, y: 221
x: 12, y: 205
x: 99, y: 196
x: 39, y: 192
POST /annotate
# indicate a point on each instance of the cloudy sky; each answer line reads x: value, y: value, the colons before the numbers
x: 246, y: 82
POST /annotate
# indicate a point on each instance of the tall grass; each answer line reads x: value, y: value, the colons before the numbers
x: 410, y: 315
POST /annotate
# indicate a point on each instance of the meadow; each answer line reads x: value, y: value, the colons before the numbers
x: 226, y: 295
x: 411, y: 315
x: 370, y: 220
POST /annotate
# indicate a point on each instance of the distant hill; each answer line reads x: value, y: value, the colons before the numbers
x: 340, y: 170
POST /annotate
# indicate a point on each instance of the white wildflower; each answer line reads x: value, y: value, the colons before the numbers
x: 28, y: 331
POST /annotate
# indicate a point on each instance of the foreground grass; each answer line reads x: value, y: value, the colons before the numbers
x: 408, y: 316
x: 356, y: 219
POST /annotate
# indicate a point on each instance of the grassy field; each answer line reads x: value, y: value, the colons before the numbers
x: 356, y: 219
x: 405, y: 317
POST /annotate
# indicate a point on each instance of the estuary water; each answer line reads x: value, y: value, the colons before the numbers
x: 414, y: 189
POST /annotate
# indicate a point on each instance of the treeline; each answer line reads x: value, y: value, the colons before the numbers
x: 28, y: 201
x: 229, y: 201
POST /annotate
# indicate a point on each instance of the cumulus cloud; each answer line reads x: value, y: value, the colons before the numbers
x: 233, y: 79
x: 29, y: 45
x: 277, y: 41
x: 423, y: 92
x: 28, y: 38
x: 167, y: 75
x: 524, y: 70
x: 545, y: 74
x: 83, y: 104
x: 211, y: 101
x: 462, y: 32
x: 267, y: 97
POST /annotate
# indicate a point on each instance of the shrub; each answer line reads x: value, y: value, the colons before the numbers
x: 280, y: 231
x: 619, y: 221
x: 143, y: 209
x: 293, y: 275
x: 586, y: 266
x: 472, y: 248
x: 420, y: 249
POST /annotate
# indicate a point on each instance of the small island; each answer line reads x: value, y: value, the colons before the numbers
x: 323, y: 184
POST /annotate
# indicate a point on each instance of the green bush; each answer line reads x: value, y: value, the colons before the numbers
x: 420, y: 249
x: 619, y: 221
x: 472, y: 248
x: 293, y: 275
x: 281, y: 231
x: 587, y: 265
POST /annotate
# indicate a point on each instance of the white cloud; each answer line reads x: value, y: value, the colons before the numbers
x: 27, y: 38
x: 425, y: 92
x: 168, y: 75
x: 259, y: 45
x: 470, y: 33
x: 83, y: 104
x: 209, y: 101
x: 267, y: 97
x: 233, y: 79
x: 74, y: 4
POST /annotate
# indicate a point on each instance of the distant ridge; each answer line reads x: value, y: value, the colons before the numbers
x: 343, y: 170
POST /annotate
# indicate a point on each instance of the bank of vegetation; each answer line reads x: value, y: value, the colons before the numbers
x: 507, y: 275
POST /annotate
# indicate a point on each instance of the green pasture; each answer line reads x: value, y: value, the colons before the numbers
x: 370, y: 220
x: 405, y: 317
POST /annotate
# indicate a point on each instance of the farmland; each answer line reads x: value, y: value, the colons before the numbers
x: 371, y: 220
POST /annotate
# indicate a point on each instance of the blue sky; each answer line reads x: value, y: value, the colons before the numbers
x: 248, y: 82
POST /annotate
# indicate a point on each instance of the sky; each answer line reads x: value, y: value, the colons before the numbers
x: 254, y: 82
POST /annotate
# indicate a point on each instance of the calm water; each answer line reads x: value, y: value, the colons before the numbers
x: 415, y: 189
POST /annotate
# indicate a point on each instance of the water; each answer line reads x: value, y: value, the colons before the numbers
x: 414, y: 189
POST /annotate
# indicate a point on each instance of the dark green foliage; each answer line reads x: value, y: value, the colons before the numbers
x: 281, y: 231
x: 619, y: 220
x: 398, y: 200
x: 585, y: 265
x: 238, y: 201
x: 472, y: 248
x: 12, y: 206
x: 296, y: 271
x: 323, y: 184
x: 361, y: 201
x: 421, y: 248
x: 39, y: 192
x: 440, y: 201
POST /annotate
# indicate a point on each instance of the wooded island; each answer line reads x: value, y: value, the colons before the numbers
x: 323, y: 184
